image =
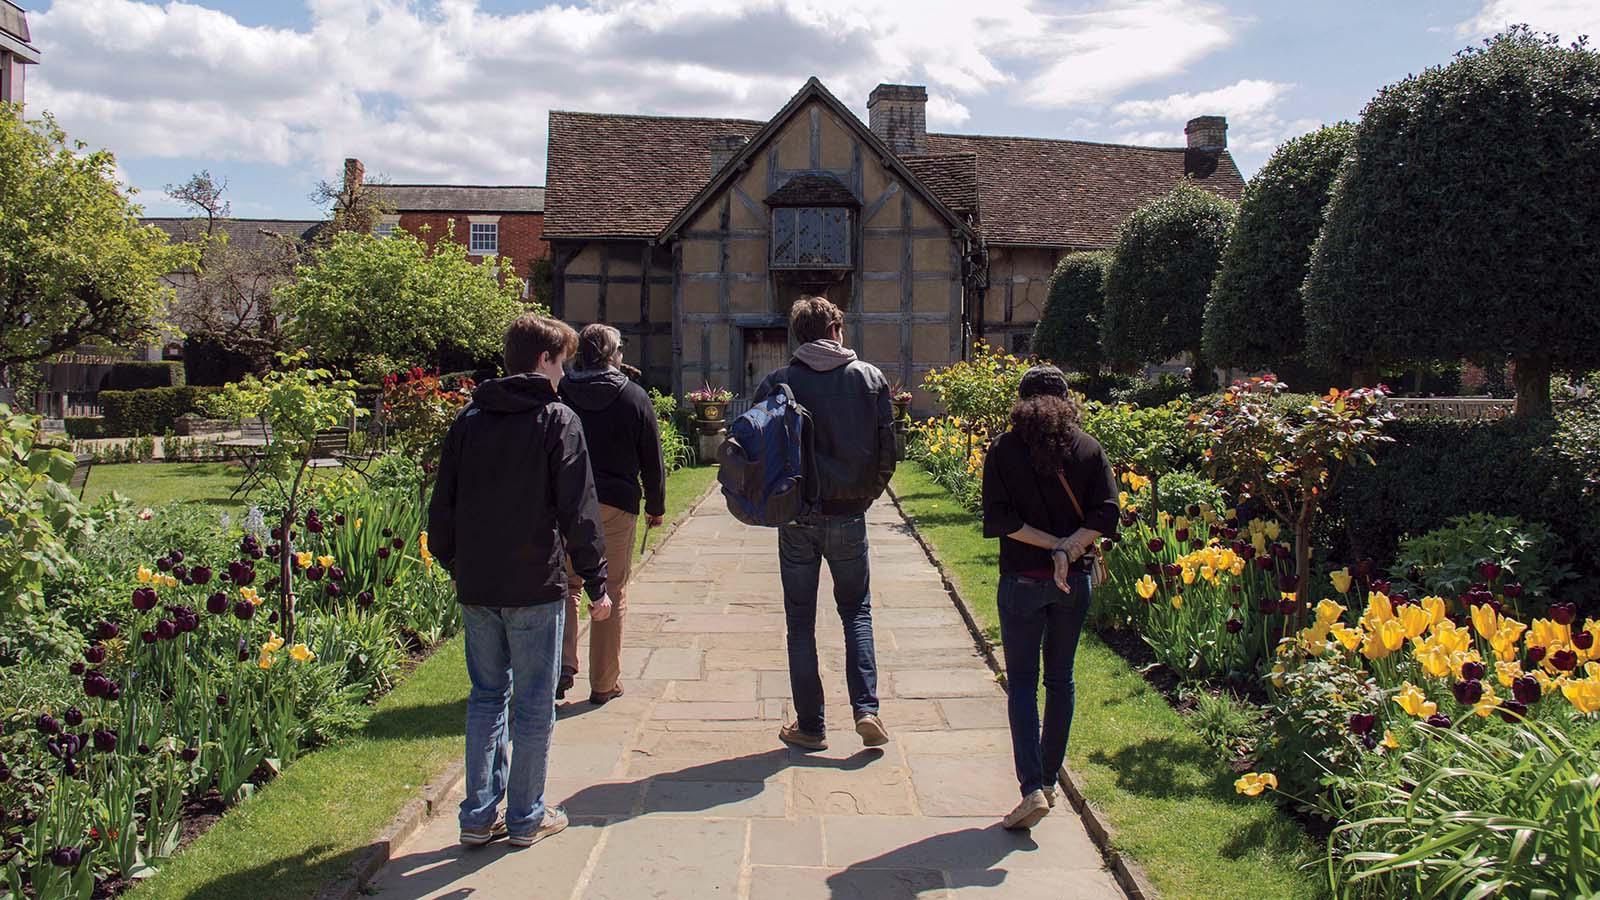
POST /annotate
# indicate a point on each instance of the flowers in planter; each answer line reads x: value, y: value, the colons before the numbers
x: 708, y: 394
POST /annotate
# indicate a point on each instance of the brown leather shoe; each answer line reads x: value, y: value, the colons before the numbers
x: 601, y: 699
x: 805, y: 740
x: 565, y: 684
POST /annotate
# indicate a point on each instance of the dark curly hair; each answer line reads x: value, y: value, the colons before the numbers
x: 1046, y: 423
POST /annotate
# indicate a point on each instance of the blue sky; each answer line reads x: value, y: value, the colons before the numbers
x: 272, y: 95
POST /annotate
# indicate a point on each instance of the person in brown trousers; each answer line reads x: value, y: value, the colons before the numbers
x: 619, y: 425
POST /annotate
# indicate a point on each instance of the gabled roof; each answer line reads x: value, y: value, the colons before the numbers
x: 1059, y: 193
x: 614, y: 176
x: 813, y: 90
x: 463, y: 198
x: 14, y: 36
x: 247, y: 235
x: 953, y: 178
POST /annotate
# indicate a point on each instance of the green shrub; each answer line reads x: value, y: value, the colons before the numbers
x: 133, y: 376
x: 1447, y: 560
x: 1181, y: 489
x: 85, y: 427
x: 1068, y: 332
x: 1157, y: 391
x: 150, y: 410
x: 1152, y: 440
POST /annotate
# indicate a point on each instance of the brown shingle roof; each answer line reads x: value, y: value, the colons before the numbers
x: 1073, y: 193
x: 952, y: 178
x: 460, y: 197
x: 627, y: 176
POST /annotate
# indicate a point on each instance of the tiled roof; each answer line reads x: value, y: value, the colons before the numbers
x: 1074, y: 193
x: 812, y: 190
x: 953, y: 178
x: 466, y: 198
x: 627, y: 176
x: 248, y: 235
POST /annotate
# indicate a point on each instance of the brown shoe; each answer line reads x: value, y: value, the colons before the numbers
x: 805, y: 740
x: 604, y: 697
x: 1028, y: 813
x: 565, y: 684
x: 872, y: 731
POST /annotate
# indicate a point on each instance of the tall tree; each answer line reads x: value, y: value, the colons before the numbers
x: 379, y: 305
x: 1463, y: 223
x: 1161, y: 271
x: 1254, y: 317
x: 1068, y: 332
x: 75, y: 264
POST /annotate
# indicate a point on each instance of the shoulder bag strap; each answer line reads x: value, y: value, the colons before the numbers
x: 1071, y: 495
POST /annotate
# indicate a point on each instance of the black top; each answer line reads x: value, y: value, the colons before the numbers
x: 854, y: 422
x: 619, y: 425
x: 515, y: 497
x: 1015, y: 495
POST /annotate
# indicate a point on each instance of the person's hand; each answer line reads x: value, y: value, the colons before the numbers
x: 653, y: 521
x: 1063, y: 572
x: 600, y: 610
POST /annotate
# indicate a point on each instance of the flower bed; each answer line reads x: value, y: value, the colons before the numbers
x: 1445, y: 721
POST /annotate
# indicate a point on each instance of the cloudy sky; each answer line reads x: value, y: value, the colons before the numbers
x: 272, y: 94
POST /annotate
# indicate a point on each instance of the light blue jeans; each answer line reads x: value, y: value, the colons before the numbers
x: 513, y: 655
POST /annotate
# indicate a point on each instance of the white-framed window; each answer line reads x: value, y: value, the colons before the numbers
x: 484, y: 239
x: 385, y: 226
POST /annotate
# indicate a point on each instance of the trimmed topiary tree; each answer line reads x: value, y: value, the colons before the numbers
x: 1463, y: 223
x: 1068, y: 332
x: 1253, y: 319
x: 1161, y: 271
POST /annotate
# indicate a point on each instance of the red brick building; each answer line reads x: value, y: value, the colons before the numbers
x: 503, y: 221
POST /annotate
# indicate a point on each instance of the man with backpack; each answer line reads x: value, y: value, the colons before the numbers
x: 852, y: 441
x: 514, y: 500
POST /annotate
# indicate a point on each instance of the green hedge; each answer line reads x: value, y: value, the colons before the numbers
x: 133, y: 376
x: 84, y: 427
x: 148, y: 411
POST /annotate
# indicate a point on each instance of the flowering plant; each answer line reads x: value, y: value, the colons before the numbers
x: 708, y: 394
x: 421, y: 409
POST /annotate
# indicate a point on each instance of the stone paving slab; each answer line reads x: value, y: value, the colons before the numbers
x: 680, y: 788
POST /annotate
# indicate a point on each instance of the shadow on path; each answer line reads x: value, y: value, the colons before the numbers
x: 909, y: 871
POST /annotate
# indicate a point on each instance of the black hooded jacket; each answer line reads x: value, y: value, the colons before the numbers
x: 619, y: 425
x: 515, y: 497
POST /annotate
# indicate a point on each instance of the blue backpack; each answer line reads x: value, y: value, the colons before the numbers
x: 768, y: 473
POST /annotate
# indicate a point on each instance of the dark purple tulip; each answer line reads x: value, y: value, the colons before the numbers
x: 1526, y: 690
x: 1152, y: 568
x: 1106, y: 544
x: 106, y: 631
x: 164, y: 564
x: 1237, y: 589
x: 73, y: 716
x: 105, y: 741
x: 95, y: 684
x: 1281, y: 551
x: 114, y: 691
x: 149, y: 637
x: 1563, y: 612
x: 243, y: 610
x: 144, y: 599
x: 53, y: 747
x: 166, y: 629
x: 315, y: 573
x: 1401, y: 598
x: 1235, y: 626
x: 77, y: 668
x: 272, y: 618
x: 1511, y: 589
x: 217, y: 603
x: 1472, y: 670
x: 176, y: 556
x: 71, y: 743
x: 1438, y: 720
x: 1535, y: 654
x: 143, y: 749
x: 398, y: 543
x: 272, y: 584
x: 1565, y: 660
x: 5, y: 774
x: 314, y: 526
x: 364, y: 599
x: 1288, y: 581
x: 1513, y: 711
x: 1268, y: 607
x: 333, y: 589
x: 1583, y: 640
x: 338, y: 518
x: 1467, y: 692
x: 1381, y: 587
x: 1369, y: 741
x: 201, y: 574
x: 277, y: 533
x: 1156, y: 544
x: 1229, y: 532
x: 273, y: 550
x: 1362, y: 723
x: 1128, y: 519
x: 222, y: 699
x: 335, y: 573
x: 69, y: 767
x: 1489, y: 570
x: 388, y: 582
x: 1197, y: 544
x: 1172, y: 570
x: 1181, y: 534
x: 65, y: 857
x: 189, y: 754
x: 1266, y: 563
x: 47, y: 724
x: 180, y: 572
x: 387, y: 533
x: 383, y: 552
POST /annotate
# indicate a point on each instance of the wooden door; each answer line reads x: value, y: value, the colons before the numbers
x: 765, y: 349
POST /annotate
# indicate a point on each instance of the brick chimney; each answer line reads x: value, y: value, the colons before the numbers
x: 723, y: 148
x: 354, y: 174
x: 1209, y: 133
x: 898, y: 115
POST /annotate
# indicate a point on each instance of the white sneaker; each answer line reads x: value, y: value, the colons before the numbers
x: 555, y: 822
x: 1027, y: 814
x: 1050, y: 795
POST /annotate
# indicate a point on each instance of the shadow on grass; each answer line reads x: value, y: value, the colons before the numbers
x: 429, y: 720
x: 248, y: 882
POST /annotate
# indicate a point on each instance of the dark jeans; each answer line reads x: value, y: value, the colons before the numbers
x: 1035, y: 615
x: 802, y: 545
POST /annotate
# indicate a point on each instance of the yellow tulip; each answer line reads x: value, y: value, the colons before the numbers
x: 1277, y: 675
x: 1341, y: 580
x: 302, y: 559
x: 1252, y: 784
x: 1146, y: 587
x: 1329, y: 611
x: 1505, y: 639
x: 1451, y: 638
x: 1436, y: 609
x: 325, y: 561
x: 1507, y: 672
x: 144, y: 575
x: 1379, y: 610
x: 273, y: 644
x: 1188, y: 575
x: 1163, y: 519
x: 1372, y: 646
x: 1414, y: 702
x: 301, y: 653
x: 1485, y: 620
x: 1180, y: 522
x: 1486, y: 705
x: 1177, y: 601
x: 1273, y: 529
x: 1209, y: 574
x: 1414, y: 619
x: 1389, y: 741
x: 1393, y: 635
x: 1122, y: 499
x: 1347, y: 636
x: 1549, y: 634
x: 1237, y: 566
x: 358, y: 523
x: 266, y: 660
x: 249, y: 594
x: 1435, y: 660
x: 1583, y: 694
x: 170, y: 581
x: 422, y: 540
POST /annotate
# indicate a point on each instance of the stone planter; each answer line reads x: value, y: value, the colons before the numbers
x: 902, y: 409
x: 711, y: 412
x: 707, y: 443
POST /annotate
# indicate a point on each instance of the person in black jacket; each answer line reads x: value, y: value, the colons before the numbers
x: 1048, y: 495
x: 515, y: 499
x: 854, y: 447
x: 624, y: 441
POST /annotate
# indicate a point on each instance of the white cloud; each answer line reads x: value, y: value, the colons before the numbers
x: 1250, y: 97
x: 443, y: 90
x: 1567, y: 18
x: 1256, y: 124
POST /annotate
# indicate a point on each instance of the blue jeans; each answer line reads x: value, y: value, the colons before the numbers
x: 1035, y: 615
x: 802, y: 545
x: 513, y: 654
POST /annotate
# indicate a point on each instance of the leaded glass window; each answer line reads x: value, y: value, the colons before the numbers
x: 809, y: 237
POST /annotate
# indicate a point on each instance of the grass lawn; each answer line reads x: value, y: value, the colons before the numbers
x: 152, y: 484
x: 302, y: 830
x: 1166, y: 794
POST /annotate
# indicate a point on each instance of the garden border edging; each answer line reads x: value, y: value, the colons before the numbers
x: 1129, y: 878
x: 370, y: 861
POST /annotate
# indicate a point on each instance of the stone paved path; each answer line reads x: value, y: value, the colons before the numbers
x: 680, y: 789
